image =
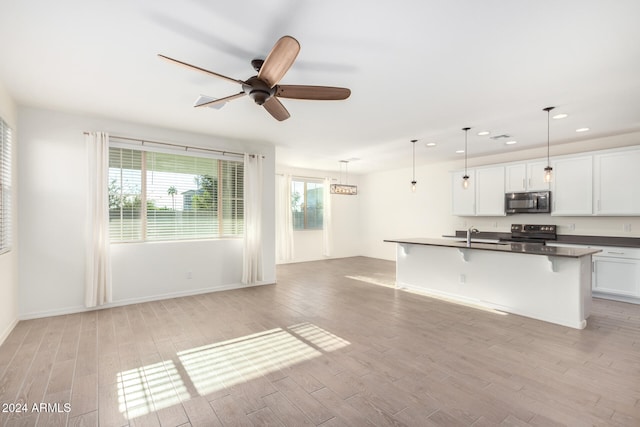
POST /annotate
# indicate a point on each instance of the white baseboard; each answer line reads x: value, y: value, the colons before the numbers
x: 7, y: 331
x: 139, y: 300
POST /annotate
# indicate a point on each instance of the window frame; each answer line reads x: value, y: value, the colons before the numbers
x: 144, y: 196
x: 306, y: 181
x: 6, y: 166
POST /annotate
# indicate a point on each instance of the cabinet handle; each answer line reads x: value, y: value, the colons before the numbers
x: 615, y: 253
x: 593, y: 266
x: 529, y: 182
x: 599, y: 206
x: 524, y: 184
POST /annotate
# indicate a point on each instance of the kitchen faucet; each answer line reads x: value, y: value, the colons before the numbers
x: 470, y: 231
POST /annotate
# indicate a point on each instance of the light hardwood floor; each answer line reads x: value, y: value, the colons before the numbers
x: 325, y: 346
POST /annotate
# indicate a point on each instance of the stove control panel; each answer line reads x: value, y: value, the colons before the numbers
x: 534, y: 231
x: 533, y: 228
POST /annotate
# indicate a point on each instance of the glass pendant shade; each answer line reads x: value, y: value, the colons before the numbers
x: 413, y: 185
x: 548, y: 174
x: 465, y: 182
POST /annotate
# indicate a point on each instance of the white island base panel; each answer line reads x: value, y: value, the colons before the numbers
x: 549, y: 288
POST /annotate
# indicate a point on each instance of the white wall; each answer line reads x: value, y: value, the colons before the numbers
x: 9, y: 260
x: 52, y: 196
x: 345, y: 216
x: 390, y: 210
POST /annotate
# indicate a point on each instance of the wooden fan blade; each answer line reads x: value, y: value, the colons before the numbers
x: 279, y: 60
x: 193, y: 67
x: 276, y: 109
x: 221, y: 100
x: 325, y: 93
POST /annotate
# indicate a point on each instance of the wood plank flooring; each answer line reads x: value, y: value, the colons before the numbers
x: 326, y: 346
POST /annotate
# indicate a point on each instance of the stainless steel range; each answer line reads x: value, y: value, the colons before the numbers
x: 531, y: 233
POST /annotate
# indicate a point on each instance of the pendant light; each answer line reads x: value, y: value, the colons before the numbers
x: 413, y: 181
x: 465, y: 178
x: 548, y: 170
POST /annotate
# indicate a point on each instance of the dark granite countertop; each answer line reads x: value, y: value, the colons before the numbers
x: 523, y: 248
x: 569, y: 239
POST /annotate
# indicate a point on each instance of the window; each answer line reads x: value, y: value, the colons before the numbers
x: 306, y: 203
x: 159, y: 196
x: 5, y: 187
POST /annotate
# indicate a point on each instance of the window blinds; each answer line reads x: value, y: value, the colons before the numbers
x: 163, y: 196
x: 5, y: 187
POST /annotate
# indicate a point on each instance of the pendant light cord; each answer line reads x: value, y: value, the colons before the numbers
x: 466, y: 132
x: 548, y: 110
x: 414, y: 159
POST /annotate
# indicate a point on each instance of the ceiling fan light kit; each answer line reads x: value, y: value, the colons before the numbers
x: 263, y: 88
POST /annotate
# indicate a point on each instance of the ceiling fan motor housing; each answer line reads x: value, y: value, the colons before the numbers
x: 258, y: 90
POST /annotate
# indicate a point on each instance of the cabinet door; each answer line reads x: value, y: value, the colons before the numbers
x: 463, y: 199
x: 490, y: 191
x: 618, y: 276
x: 572, y: 186
x: 516, y: 178
x: 535, y: 176
x: 616, y: 192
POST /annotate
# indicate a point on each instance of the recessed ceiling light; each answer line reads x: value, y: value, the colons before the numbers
x: 460, y: 152
x: 483, y: 133
x: 582, y: 130
x: 431, y: 144
x: 511, y: 142
x: 560, y: 116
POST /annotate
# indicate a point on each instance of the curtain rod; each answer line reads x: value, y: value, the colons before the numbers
x: 168, y: 144
x: 304, y: 177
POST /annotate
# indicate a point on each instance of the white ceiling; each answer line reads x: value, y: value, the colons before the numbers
x: 418, y: 69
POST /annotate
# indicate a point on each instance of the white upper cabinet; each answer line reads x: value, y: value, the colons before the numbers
x: 572, y: 186
x: 616, y: 191
x: 521, y: 177
x: 516, y: 178
x: 490, y: 191
x: 464, y: 200
x: 535, y: 176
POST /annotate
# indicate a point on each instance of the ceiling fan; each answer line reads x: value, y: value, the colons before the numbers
x: 264, y: 88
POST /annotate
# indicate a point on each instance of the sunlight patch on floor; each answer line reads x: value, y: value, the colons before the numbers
x: 477, y: 306
x: 319, y: 337
x: 150, y: 388
x: 221, y: 365
x: 374, y: 281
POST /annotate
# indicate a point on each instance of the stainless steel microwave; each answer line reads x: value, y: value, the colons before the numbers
x: 530, y: 202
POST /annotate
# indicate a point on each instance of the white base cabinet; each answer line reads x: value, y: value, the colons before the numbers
x: 616, y: 271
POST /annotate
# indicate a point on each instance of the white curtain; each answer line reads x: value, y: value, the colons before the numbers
x: 98, y: 257
x: 252, y: 260
x: 284, y: 219
x: 326, y: 218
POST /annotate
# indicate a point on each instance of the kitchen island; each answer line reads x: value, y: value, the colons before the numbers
x: 550, y: 283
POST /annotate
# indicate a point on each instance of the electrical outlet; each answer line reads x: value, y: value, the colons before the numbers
x: 463, y: 278
x: 572, y: 227
x: 189, y: 275
x: 627, y: 228
x: 494, y: 224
